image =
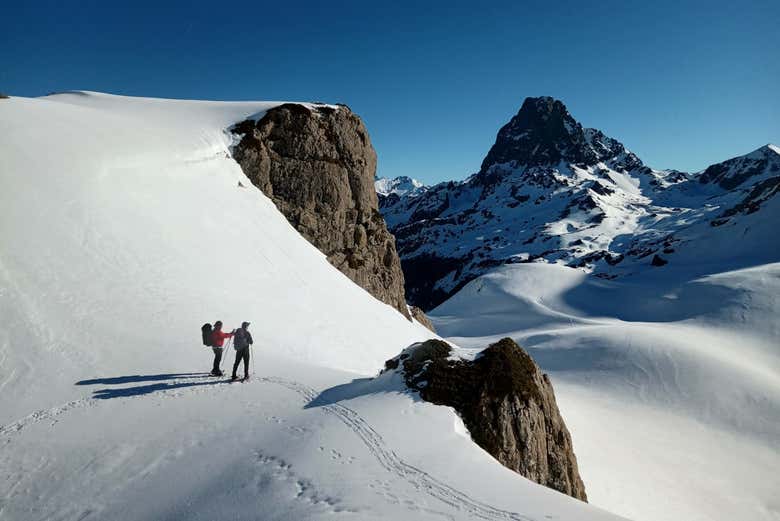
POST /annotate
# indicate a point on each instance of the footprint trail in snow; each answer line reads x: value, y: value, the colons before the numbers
x: 373, y: 441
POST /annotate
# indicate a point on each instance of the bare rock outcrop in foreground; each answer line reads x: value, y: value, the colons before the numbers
x: 507, y: 404
x: 318, y: 167
x: 420, y: 316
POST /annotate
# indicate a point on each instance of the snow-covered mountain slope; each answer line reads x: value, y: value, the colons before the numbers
x: 669, y: 382
x: 124, y: 228
x: 554, y: 191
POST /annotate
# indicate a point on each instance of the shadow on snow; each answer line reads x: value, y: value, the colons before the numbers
x: 123, y: 392
x: 117, y: 380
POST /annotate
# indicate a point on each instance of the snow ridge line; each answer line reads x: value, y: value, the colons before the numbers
x: 419, y: 479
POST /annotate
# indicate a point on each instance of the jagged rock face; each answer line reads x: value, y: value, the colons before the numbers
x: 544, y: 133
x: 550, y: 190
x: 507, y: 404
x: 318, y: 167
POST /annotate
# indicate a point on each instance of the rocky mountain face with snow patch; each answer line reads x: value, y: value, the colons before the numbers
x: 505, y: 401
x: 318, y: 167
x: 420, y: 316
x: 550, y: 190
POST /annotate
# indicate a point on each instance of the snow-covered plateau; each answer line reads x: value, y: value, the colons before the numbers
x: 125, y: 226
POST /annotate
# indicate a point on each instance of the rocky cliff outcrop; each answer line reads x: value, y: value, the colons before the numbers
x: 420, y: 316
x: 317, y: 165
x: 507, y: 404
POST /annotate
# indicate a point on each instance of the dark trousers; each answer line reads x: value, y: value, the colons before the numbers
x: 242, y: 354
x: 217, y: 359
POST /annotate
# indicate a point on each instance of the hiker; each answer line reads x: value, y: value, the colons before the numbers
x: 241, y: 342
x: 217, y: 340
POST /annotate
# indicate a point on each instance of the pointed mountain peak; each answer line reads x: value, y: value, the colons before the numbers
x: 768, y: 149
x: 543, y: 132
x: 544, y: 112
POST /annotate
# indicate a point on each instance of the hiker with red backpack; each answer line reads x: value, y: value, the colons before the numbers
x: 215, y: 338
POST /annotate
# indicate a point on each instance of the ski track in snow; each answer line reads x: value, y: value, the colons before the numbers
x: 373, y: 441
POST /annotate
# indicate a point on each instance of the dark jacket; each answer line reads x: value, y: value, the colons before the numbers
x: 242, y: 339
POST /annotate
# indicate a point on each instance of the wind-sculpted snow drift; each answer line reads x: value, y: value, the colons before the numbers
x: 125, y: 225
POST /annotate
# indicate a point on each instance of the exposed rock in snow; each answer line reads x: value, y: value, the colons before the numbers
x: 507, y: 404
x: 658, y: 261
x: 420, y: 316
x: 317, y: 165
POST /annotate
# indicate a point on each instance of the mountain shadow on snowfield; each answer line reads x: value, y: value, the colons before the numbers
x: 318, y: 167
x: 507, y: 404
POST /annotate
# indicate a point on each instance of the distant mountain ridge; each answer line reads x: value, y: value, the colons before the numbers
x: 402, y: 185
x: 551, y: 190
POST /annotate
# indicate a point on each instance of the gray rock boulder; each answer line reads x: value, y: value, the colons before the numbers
x: 318, y: 167
x: 507, y: 404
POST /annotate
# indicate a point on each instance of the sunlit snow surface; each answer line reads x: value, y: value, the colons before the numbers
x: 123, y: 229
x: 668, y: 381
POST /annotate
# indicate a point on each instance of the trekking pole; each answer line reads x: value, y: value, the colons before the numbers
x: 252, y: 356
x: 224, y: 354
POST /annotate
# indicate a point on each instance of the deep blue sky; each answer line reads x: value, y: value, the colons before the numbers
x: 682, y: 84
